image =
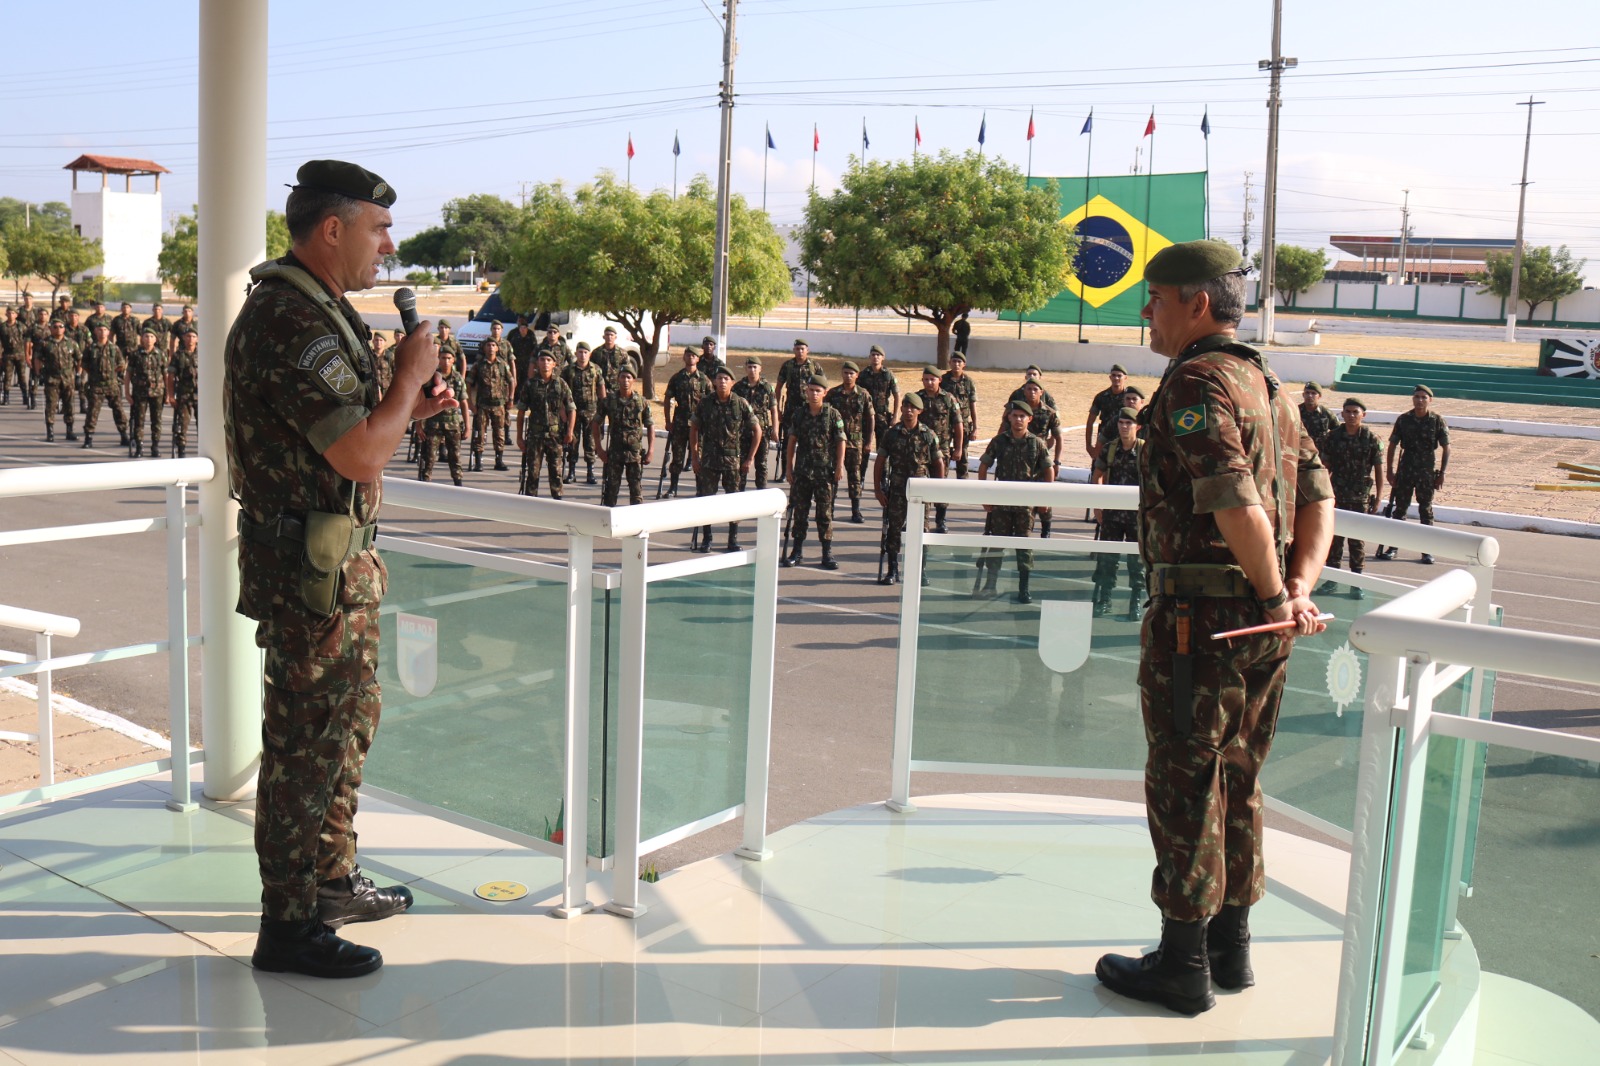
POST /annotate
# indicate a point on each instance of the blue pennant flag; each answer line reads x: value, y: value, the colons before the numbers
x: 1205, y: 123
x: 1088, y: 124
x: 865, y: 144
x: 675, y: 149
x: 983, y: 128
x: 769, y: 139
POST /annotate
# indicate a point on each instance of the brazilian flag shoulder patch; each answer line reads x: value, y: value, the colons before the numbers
x: 1189, y: 420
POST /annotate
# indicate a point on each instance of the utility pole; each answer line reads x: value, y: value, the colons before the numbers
x: 1269, y: 207
x: 1137, y: 150
x: 1522, y: 205
x: 1249, y: 216
x: 523, y: 186
x: 719, y: 263
x: 1405, y: 232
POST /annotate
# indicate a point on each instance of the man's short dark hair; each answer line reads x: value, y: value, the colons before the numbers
x: 306, y: 208
x: 1227, y: 297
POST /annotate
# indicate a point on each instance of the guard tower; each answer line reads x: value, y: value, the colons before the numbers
x: 125, y: 222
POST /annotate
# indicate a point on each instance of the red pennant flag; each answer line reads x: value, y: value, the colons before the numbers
x: 1030, y: 125
x: 916, y: 128
x: 630, y: 146
x: 1150, y: 127
x: 816, y: 138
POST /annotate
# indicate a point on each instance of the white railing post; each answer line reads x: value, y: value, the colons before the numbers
x: 630, y: 732
x: 47, y: 731
x: 575, y: 788
x: 178, y: 647
x: 763, y: 649
x: 905, y: 678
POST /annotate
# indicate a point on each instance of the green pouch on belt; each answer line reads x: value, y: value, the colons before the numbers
x: 327, y: 547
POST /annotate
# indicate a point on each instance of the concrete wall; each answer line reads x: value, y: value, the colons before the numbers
x: 128, y: 227
x: 1461, y: 302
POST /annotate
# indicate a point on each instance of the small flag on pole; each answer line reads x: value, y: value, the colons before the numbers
x: 865, y: 144
x: 1150, y: 127
x: 630, y: 146
x: 1030, y: 125
x: 816, y: 139
x: 769, y: 139
x: 983, y: 129
x: 1205, y: 123
x: 916, y: 129
x: 676, y: 149
x: 1088, y: 124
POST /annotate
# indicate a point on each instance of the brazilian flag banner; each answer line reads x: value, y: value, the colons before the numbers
x: 1120, y: 221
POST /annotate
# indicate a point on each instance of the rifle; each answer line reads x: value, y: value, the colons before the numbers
x: 883, y: 550
x: 788, y: 521
x: 666, y: 454
x: 522, y: 478
x: 1388, y: 512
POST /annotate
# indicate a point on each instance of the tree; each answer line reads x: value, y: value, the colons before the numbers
x: 1296, y: 270
x: 54, y: 255
x: 426, y: 249
x: 390, y: 263
x: 479, y: 226
x: 277, y: 235
x: 935, y: 237
x: 178, y: 263
x: 54, y: 216
x: 642, y: 260
x: 1546, y: 275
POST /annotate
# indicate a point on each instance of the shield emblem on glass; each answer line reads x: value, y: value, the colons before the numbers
x: 1064, y: 627
x: 417, y: 653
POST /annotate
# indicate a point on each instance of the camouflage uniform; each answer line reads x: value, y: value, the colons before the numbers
x: 585, y: 383
x: 59, y: 312
x: 965, y: 393
x: 549, y: 404
x: 792, y: 378
x: 884, y: 390
x: 685, y: 389
x: 147, y: 382
x: 1419, y: 438
x: 855, y: 407
x: 181, y: 329
x: 523, y: 345
x: 453, y: 346
x: 490, y: 386
x: 1103, y: 411
x: 184, y: 369
x: 561, y: 352
x: 1013, y: 459
x: 38, y: 335
x: 96, y: 320
x: 125, y: 331
x: 442, y: 433
x: 163, y: 330
x: 383, y: 366
x: 14, y: 367
x: 763, y: 402
x: 59, y: 364
x: 291, y: 388
x: 631, y: 425
x: 723, y: 431
x: 1350, y: 459
x: 940, y: 414
x: 1121, y: 467
x: 1210, y: 447
x: 82, y: 338
x: 907, y: 453
x: 816, y: 438
x: 1318, y: 420
x: 105, y: 367
x: 610, y: 361
x: 1045, y: 398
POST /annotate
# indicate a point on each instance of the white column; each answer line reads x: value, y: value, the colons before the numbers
x: 763, y: 649
x: 233, y: 198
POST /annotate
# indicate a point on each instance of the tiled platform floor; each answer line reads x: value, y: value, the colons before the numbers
x: 963, y: 933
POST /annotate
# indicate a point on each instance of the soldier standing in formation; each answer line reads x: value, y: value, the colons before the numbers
x: 1118, y: 464
x: 885, y: 392
x: 38, y: 335
x: 382, y: 360
x: 1015, y: 455
x: 98, y: 318
x: 793, y: 375
x: 1100, y: 428
x: 632, y: 441
x: 1354, y: 459
x: 940, y: 414
x: 814, y: 457
x: 1235, y: 516
x: 58, y: 361
x: 77, y: 334
x: 159, y: 322
x: 58, y: 313
x: 611, y: 359
x: 147, y: 388
x: 764, y: 403
x: 524, y: 342
x: 442, y: 432
x: 1417, y: 434
x: 496, y: 334
x: 723, y: 439
x: 125, y: 329
x: 956, y: 384
x: 545, y: 416
x: 1033, y: 373
x: 708, y: 357
x: 490, y: 388
x: 1317, y: 419
x: 14, y: 367
x: 556, y: 346
x: 448, y: 343
x: 1046, y: 425
x: 185, y: 325
x: 905, y: 451
x: 587, y: 383
x: 106, y: 369
x: 183, y: 385
x: 854, y: 405
x: 685, y: 390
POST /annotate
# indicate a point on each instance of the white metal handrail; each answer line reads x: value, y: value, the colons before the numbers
x: 103, y: 477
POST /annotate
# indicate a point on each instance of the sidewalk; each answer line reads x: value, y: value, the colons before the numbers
x: 81, y: 747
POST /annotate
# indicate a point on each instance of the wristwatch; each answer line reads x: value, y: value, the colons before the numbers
x: 1274, y: 602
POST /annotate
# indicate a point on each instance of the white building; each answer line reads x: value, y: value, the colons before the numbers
x: 127, y: 223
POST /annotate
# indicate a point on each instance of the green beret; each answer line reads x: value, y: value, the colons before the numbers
x: 1033, y: 385
x: 545, y: 353
x: 1192, y: 262
x: 800, y: 340
x: 722, y: 369
x: 444, y: 323
x: 1020, y: 405
x: 752, y: 361
x: 692, y: 350
x: 583, y: 346
x: 1133, y: 390
x: 1118, y: 368
x: 912, y: 401
x: 930, y: 369
x: 1129, y: 413
x: 954, y: 356
x: 1312, y: 386
x: 876, y: 350
x: 708, y: 339
x: 625, y: 371
x: 345, y: 179
x: 1422, y: 388
x: 1353, y: 402
x: 1035, y: 368
x: 818, y: 379
x: 849, y: 365
x: 148, y: 330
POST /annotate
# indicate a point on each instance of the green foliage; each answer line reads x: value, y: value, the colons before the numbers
x: 481, y: 224
x: 1295, y: 270
x: 391, y: 263
x: 55, y: 216
x: 52, y: 254
x: 642, y: 260
x: 1546, y: 275
x: 935, y: 237
x: 277, y: 235
x: 426, y: 249
x: 421, y: 277
x: 4, y: 257
x: 178, y: 264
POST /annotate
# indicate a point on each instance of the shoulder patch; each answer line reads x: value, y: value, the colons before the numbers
x: 1189, y: 420
x: 333, y: 372
x: 319, y: 347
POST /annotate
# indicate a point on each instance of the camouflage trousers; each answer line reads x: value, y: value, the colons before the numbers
x: 1008, y: 522
x: 146, y: 406
x: 495, y: 419
x: 543, y: 452
x: 678, y: 449
x: 111, y: 396
x: 812, y: 492
x: 958, y: 461
x: 1420, y: 484
x: 894, y: 519
x: 585, y: 416
x: 320, y: 711
x: 1118, y: 525
x: 706, y: 483
x: 1358, y: 548
x: 58, y: 393
x: 758, y: 466
x: 852, y: 470
x: 872, y: 434
x: 13, y: 371
x: 185, y: 407
x: 616, y: 468
x: 435, y: 441
x: 1202, y: 795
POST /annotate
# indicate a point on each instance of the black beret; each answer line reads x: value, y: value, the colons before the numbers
x: 913, y: 401
x: 1353, y: 402
x: 1192, y: 262
x: 345, y: 179
x: 1020, y: 405
x: 849, y: 364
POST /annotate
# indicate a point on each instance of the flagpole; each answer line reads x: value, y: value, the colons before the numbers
x: 1208, y: 171
x: 1150, y: 177
x: 765, y: 151
x: 815, y: 144
x: 1088, y: 168
x: 675, y: 167
x: 628, y: 171
x: 916, y: 128
x: 1025, y: 184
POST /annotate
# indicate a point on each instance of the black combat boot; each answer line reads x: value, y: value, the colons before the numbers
x: 1023, y: 595
x: 1327, y: 588
x: 793, y: 558
x: 354, y: 898
x: 590, y: 464
x: 1426, y: 558
x: 1135, y: 605
x: 855, y: 513
x: 124, y: 437
x: 138, y: 449
x: 733, y: 536
x: 70, y: 434
x: 1228, y: 949
x: 828, y: 561
x: 311, y: 948
x: 88, y: 441
x: 1176, y: 974
x: 476, y: 464
x: 892, y: 574
x: 672, y: 490
x: 1102, y: 600
x: 938, y: 518
x: 1044, y: 525
x: 49, y: 433
x: 183, y: 451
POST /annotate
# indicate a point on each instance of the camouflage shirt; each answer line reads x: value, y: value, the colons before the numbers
x: 522, y: 349
x: 146, y: 372
x: 163, y: 328
x: 1103, y: 409
x: 1318, y: 421
x: 104, y: 365
x: 95, y: 321
x: 610, y: 361
x: 502, y: 346
x: 185, y: 370
x: 908, y: 453
x: 1022, y: 458
x: 792, y: 376
x: 762, y: 400
x: 560, y: 352
x: 939, y: 414
x: 181, y: 329
x: 686, y: 389
x: 383, y: 363
x: 1419, y: 438
x: 723, y: 428
x: 884, y: 390
x: 630, y: 423
x: 855, y: 407
x: 125, y: 331
x: 548, y: 403
x: 816, y: 438
x: 80, y: 336
x: 13, y: 339
x: 490, y: 383
x: 1120, y: 465
x: 60, y: 359
x: 1350, y: 458
x: 38, y: 336
x: 1211, y: 447
x: 585, y: 383
x: 450, y: 419
x: 1044, y: 397
x: 965, y: 393
x: 453, y: 346
x: 290, y: 389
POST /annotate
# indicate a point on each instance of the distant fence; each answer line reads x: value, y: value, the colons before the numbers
x: 1442, y: 303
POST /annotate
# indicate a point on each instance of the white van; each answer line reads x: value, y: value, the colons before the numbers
x: 575, y: 326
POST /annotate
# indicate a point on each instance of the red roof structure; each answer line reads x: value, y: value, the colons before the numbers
x: 116, y: 164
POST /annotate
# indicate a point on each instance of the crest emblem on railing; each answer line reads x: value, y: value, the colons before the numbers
x: 417, y: 653
x: 1064, y: 627
x: 1344, y: 678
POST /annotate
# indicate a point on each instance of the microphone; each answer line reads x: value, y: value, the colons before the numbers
x: 405, y: 301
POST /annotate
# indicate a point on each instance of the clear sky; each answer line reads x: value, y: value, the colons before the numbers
x: 449, y: 99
